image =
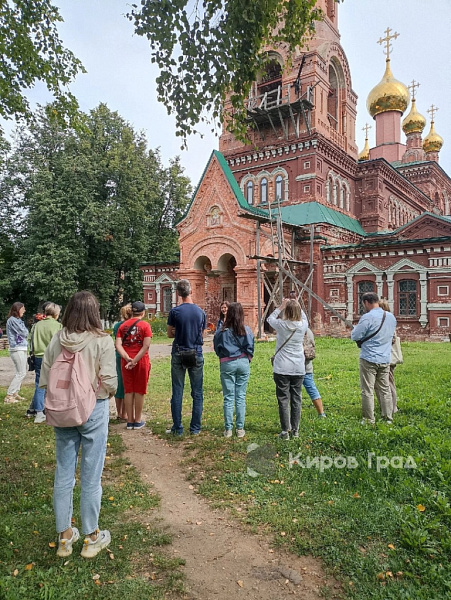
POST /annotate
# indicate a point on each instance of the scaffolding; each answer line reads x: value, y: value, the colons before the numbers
x: 284, y: 262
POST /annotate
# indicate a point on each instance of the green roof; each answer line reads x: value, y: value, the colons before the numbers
x: 309, y: 213
x: 298, y: 215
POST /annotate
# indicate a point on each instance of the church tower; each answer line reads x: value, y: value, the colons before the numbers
x: 301, y: 118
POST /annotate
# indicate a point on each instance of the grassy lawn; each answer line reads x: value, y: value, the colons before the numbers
x: 383, y: 530
x: 136, y: 566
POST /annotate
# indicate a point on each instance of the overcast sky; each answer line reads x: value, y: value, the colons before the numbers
x: 121, y: 75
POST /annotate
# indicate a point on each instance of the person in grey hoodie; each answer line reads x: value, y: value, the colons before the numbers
x: 289, y: 364
x: 17, y: 333
x: 82, y: 332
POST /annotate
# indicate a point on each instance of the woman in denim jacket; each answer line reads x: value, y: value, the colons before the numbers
x: 17, y: 333
x: 234, y: 345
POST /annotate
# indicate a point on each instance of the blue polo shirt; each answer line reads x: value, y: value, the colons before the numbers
x: 378, y: 348
x: 189, y: 321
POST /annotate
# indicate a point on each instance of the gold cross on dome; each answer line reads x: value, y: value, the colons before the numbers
x: 386, y: 40
x: 365, y: 129
x: 432, y: 112
x: 412, y: 87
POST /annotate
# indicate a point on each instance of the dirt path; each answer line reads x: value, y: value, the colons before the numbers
x: 223, y: 560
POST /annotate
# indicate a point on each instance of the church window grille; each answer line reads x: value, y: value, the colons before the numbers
x: 407, y: 293
x: 362, y: 288
x: 250, y: 192
x: 264, y: 191
x: 167, y: 299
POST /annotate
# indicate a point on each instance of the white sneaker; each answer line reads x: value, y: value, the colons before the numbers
x: 65, y: 546
x: 40, y: 417
x: 227, y: 433
x: 240, y: 433
x: 91, y: 549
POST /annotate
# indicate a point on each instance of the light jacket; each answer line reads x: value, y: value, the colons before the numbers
x: 290, y: 359
x: 17, y: 334
x: 41, y: 334
x: 232, y: 346
x: 97, y: 352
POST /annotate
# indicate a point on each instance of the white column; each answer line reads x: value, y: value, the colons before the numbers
x: 423, y: 299
x: 391, y: 298
x: 379, y: 288
x: 158, y: 299
x: 174, y: 294
x: 350, y: 291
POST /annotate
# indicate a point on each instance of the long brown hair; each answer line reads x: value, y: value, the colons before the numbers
x: 14, y: 310
x: 235, y: 318
x: 82, y: 314
x: 220, y: 307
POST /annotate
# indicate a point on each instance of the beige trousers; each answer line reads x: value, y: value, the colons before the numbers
x: 375, y: 377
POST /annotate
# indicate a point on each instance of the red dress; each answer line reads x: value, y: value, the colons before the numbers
x: 135, y: 380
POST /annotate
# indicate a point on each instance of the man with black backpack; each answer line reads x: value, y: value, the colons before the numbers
x: 373, y: 335
x: 186, y: 324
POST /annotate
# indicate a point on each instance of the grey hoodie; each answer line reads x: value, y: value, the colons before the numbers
x: 98, y: 355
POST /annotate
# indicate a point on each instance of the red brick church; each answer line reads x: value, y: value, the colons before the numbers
x: 348, y: 222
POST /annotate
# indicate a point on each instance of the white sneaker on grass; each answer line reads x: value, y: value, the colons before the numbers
x: 40, y: 417
x: 65, y: 546
x: 227, y: 433
x: 92, y: 548
x: 240, y: 433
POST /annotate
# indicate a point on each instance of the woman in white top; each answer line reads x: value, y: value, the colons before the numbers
x: 289, y: 364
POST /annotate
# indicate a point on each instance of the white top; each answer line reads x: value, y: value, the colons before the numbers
x: 290, y: 359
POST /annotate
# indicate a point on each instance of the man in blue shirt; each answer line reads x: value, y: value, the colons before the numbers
x: 186, y: 324
x: 376, y: 336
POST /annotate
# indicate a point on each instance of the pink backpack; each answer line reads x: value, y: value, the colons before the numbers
x: 70, y: 397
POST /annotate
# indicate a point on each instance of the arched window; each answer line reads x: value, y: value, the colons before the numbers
x: 264, y: 191
x: 407, y: 296
x: 250, y: 192
x: 279, y: 187
x: 362, y: 288
x: 332, y: 98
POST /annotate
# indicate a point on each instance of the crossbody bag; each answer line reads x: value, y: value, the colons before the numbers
x: 279, y: 349
x: 365, y: 339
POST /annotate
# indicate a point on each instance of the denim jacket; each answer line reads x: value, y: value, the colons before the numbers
x: 17, y: 333
x: 229, y: 345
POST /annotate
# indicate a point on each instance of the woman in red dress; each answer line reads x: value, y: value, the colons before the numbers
x: 132, y: 343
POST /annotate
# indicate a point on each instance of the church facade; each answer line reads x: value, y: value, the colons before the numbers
x: 350, y: 223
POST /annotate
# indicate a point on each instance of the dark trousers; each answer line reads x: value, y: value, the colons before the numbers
x: 288, y: 392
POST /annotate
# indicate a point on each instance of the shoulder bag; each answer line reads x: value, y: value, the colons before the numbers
x: 365, y: 339
x: 279, y: 349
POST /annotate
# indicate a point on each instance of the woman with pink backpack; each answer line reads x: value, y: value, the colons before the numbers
x: 93, y: 354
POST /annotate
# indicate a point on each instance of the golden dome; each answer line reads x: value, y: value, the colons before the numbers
x: 414, y: 122
x: 389, y: 94
x: 433, y: 142
x: 365, y: 154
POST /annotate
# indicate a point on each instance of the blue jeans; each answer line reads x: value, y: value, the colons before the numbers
x: 92, y: 437
x: 39, y: 393
x: 196, y: 378
x: 234, y: 378
x: 310, y: 387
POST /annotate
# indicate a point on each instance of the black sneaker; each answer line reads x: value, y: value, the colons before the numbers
x: 31, y: 413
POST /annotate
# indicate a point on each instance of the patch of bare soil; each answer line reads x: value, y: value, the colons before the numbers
x: 223, y: 559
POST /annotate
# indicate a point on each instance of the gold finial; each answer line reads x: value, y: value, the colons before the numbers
x: 432, y: 112
x: 365, y: 129
x: 386, y: 40
x: 412, y: 87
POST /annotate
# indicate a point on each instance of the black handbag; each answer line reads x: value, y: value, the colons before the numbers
x: 31, y: 363
x: 188, y: 358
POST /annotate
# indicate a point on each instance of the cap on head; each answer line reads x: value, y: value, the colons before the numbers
x: 138, y: 307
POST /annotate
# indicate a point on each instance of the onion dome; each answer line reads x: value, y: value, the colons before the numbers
x: 433, y: 142
x: 414, y: 122
x: 365, y: 154
x: 389, y: 94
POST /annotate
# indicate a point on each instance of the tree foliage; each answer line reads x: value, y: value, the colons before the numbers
x: 32, y: 51
x: 90, y: 205
x: 207, y: 51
